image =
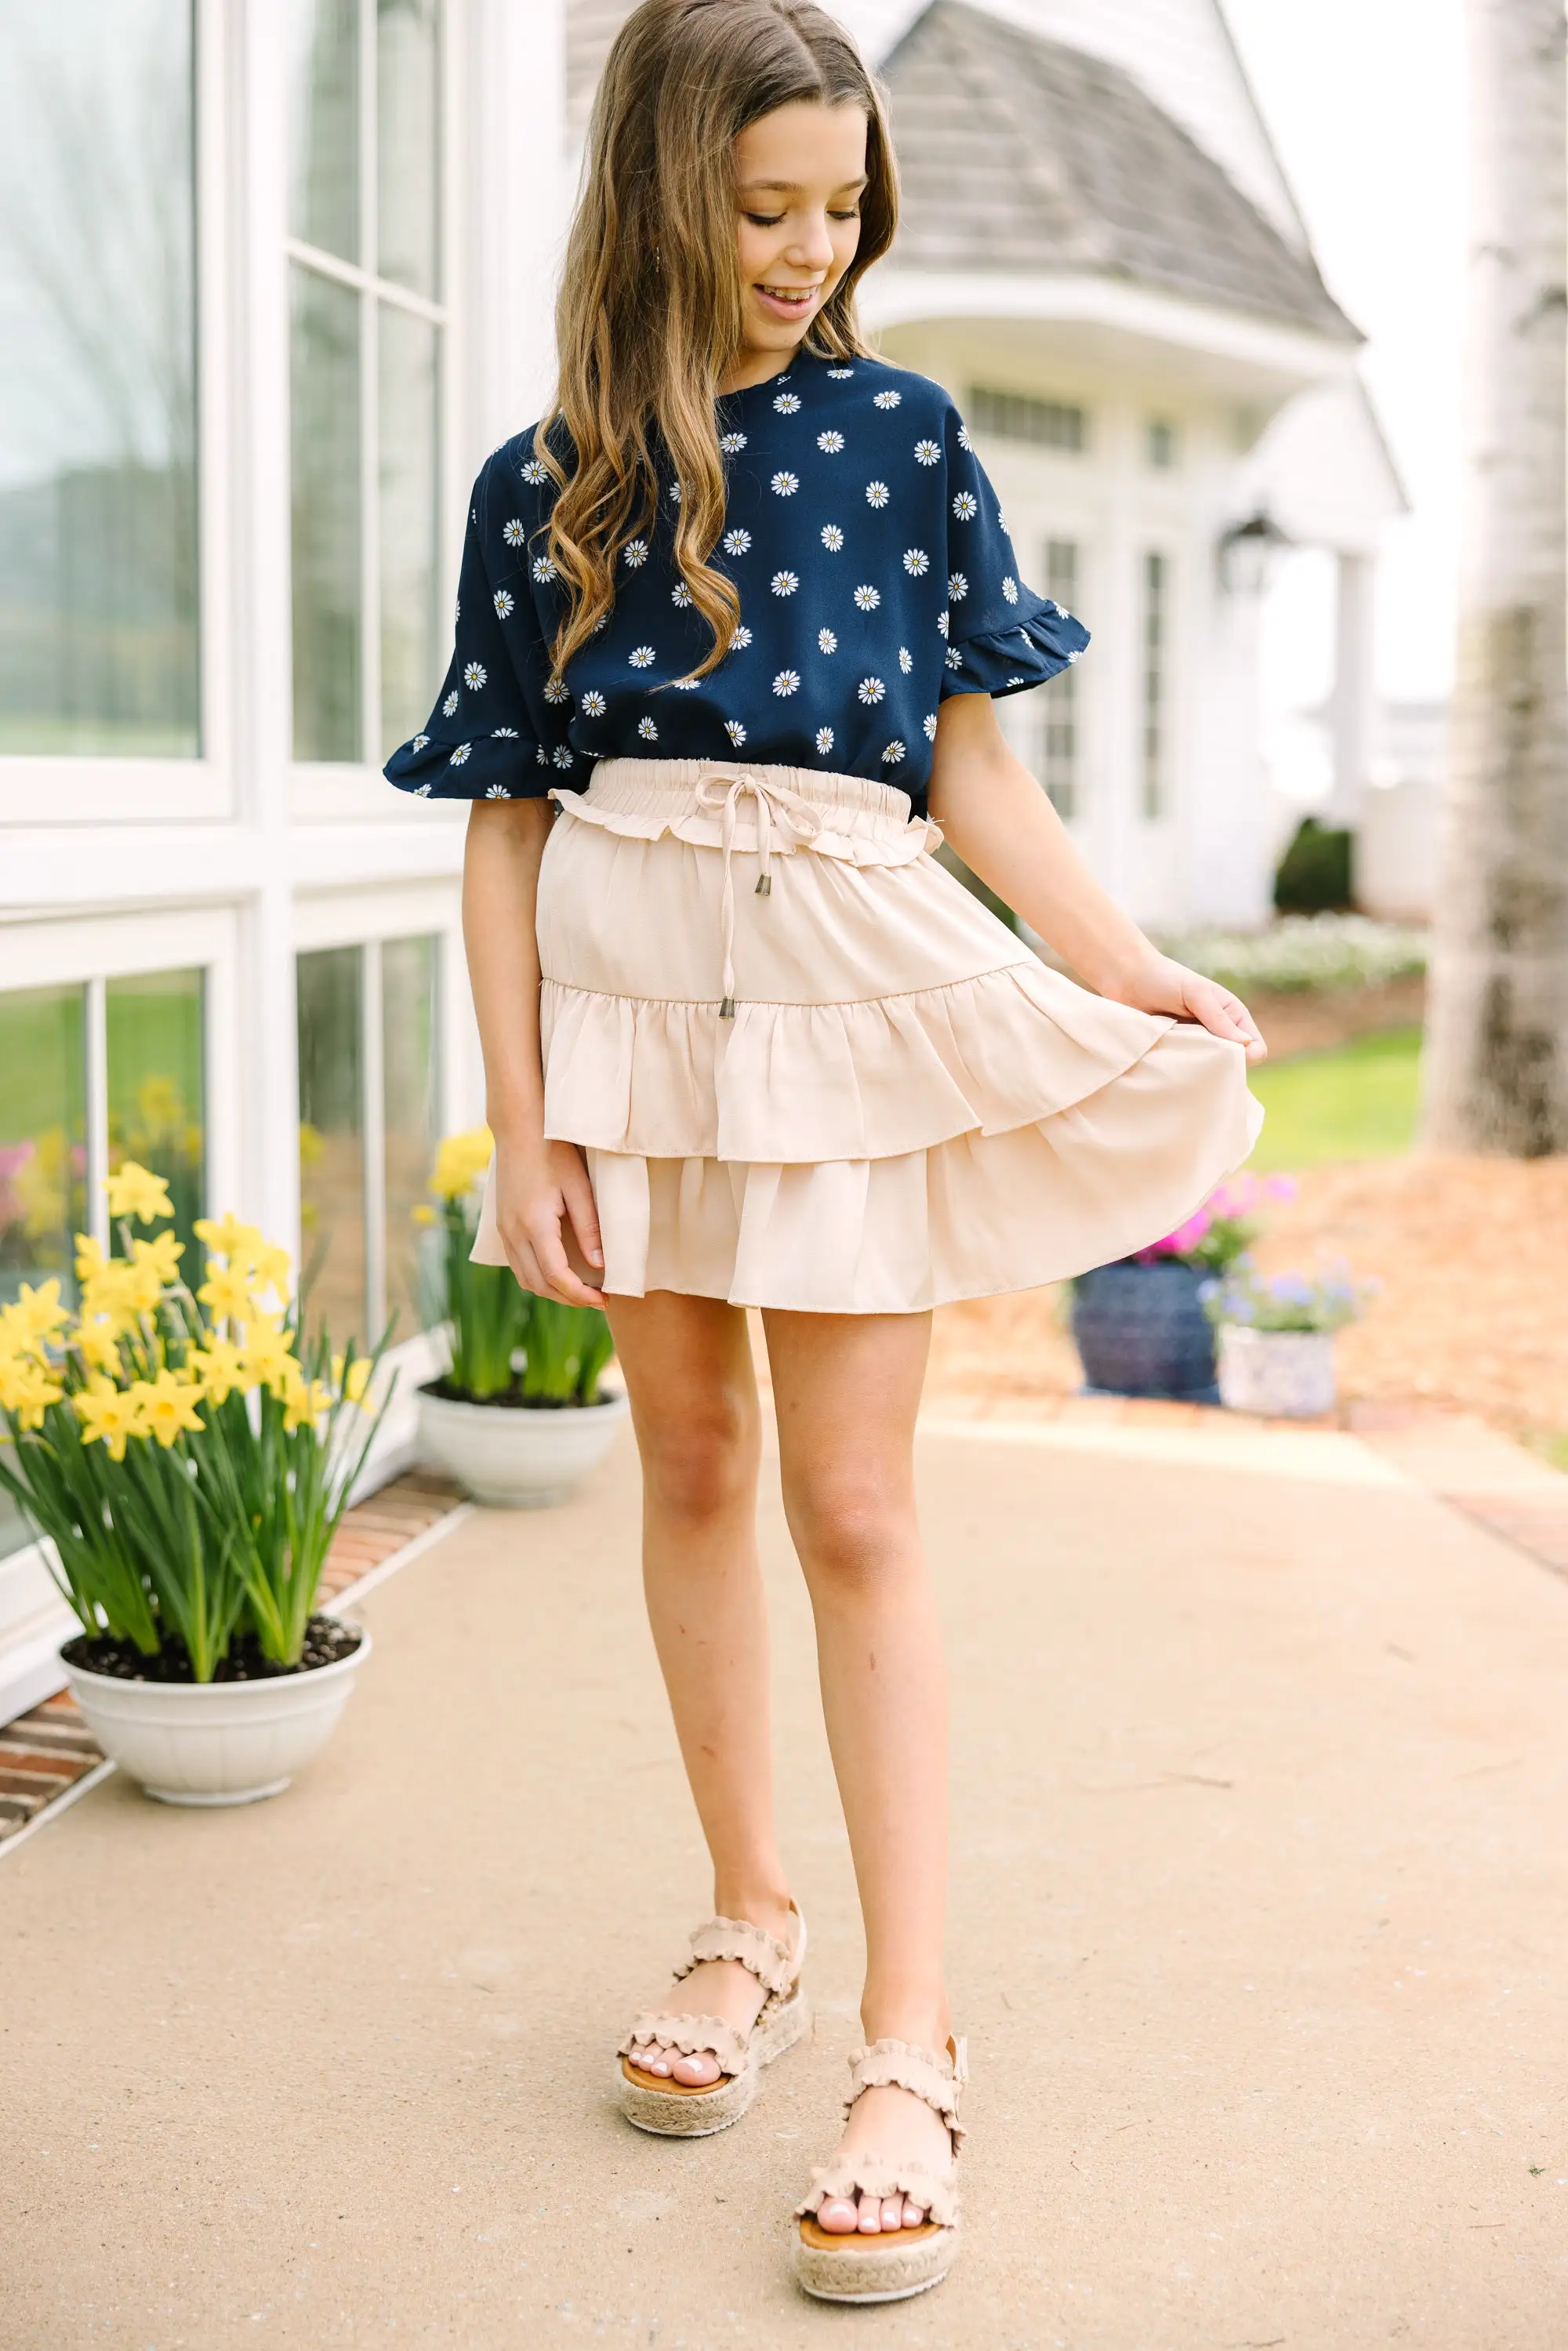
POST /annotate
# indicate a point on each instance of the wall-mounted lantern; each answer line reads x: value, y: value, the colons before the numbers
x: 1248, y: 552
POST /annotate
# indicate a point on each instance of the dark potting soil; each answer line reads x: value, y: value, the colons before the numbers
x: 511, y: 1399
x: 326, y: 1643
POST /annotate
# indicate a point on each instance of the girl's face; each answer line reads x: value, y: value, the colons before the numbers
x: 798, y: 174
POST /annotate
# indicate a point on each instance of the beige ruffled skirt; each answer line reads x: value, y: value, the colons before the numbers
x: 809, y: 1070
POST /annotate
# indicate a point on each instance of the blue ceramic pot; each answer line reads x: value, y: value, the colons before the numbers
x: 1141, y: 1331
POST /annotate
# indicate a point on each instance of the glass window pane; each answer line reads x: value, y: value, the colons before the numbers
x: 324, y: 125
x: 331, y: 1141
x: 157, y: 1112
x: 408, y: 157
x: 97, y: 464
x: 410, y: 1070
x: 324, y: 433
x: 43, y: 1154
x: 411, y: 657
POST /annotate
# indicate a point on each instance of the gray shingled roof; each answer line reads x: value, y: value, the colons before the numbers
x: 1020, y: 153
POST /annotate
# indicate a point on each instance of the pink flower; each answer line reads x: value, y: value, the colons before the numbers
x: 1282, y: 1187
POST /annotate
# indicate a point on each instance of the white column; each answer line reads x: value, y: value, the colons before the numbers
x: 1354, y: 700
x: 1112, y: 672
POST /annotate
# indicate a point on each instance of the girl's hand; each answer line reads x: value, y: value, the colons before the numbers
x: 544, y: 1205
x: 1160, y: 984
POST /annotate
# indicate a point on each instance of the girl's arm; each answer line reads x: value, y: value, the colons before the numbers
x: 538, y: 1183
x: 1003, y: 827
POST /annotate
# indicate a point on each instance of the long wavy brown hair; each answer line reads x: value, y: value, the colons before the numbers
x: 649, y: 311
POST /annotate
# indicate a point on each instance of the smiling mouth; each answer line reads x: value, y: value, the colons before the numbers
x: 798, y: 297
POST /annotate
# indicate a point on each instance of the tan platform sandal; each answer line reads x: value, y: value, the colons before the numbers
x: 897, y: 2262
x: 683, y: 2110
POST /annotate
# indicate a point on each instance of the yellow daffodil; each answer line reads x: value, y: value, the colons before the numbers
x: 226, y: 1237
x: 270, y: 1266
x: 25, y: 1388
x: 353, y: 1387
x: 141, y: 1286
x: 303, y: 1401
x: 268, y: 1352
x: 422, y: 1213
x: 41, y: 1310
x: 97, y: 1340
x: 165, y: 1405
x: 227, y: 1293
x: 163, y: 1255
x: 105, y: 1295
x: 90, y: 1258
x: 460, y: 1161
x: 135, y: 1191
x: 221, y: 1368
x: 17, y: 1341
x: 108, y: 1415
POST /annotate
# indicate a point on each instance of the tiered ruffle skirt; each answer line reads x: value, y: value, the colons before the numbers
x: 855, y: 1092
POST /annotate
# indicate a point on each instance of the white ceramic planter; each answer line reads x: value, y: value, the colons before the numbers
x: 215, y: 1743
x: 1283, y: 1375
x: 517, y: 1459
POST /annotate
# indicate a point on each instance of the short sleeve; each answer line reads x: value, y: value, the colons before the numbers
x: 1002, y: 638
x: 482, y: 740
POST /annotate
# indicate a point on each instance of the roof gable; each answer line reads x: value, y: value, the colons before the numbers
x: 1026, y: 154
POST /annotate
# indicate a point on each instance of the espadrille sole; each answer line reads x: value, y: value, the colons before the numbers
x: 676, y: 2110
x: 833, y: 2268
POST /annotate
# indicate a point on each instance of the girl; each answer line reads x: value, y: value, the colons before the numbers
x: 740, y: 607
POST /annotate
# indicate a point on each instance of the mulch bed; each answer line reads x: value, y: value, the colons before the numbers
x: 326, y: 1643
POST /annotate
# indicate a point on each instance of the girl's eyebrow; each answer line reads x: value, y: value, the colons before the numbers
x: 792, y: 187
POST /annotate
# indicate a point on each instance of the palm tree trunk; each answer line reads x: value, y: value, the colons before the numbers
x: 1497, y: 1067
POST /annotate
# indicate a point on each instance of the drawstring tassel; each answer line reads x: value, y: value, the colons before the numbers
x: 765, y: 886
x: 798, y: 821
x: 727, y: 1009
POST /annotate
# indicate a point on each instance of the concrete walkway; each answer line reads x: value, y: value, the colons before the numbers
x: 1262, y: 1910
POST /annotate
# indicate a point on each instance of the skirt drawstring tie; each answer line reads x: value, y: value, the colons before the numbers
x: 799, y: 824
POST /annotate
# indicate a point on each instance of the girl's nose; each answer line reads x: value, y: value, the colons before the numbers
x: 814, y: 248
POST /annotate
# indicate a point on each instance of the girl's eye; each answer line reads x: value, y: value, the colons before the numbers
x: 764, y: 220
x: 853, y: 214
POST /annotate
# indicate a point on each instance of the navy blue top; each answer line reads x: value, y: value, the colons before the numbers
x: 875, y: 575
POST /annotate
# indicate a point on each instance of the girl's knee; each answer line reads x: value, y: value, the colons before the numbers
x: 698, y: 1457
x: 851, y: 1530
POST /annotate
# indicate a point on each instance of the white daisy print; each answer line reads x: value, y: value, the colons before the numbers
x: 675, y: 494
x: 826, y: 642
x: 561, y: 755
x: 785, y: 485
x: 504, y: 607
x: 535, y: 471
x: 832, y: 537
x: 871, y: 689
x: 419, y: 742
x: 1010, y: 591
x: 686, y: 685
x: 736, y: 542
x: 503, y: 734
x: 784, y: 583
x: 824, y: 734
x: 422, y: 791
x: 736, y: 731
x: 957, y: 588
x: 741, y: 640
x: 964, y: 439
x: 891, y: 756
x: 542, y: 756
x: 954, y: 658
x: 868, y: 598
x: 543, y: 568
x: 887, y: 400
x: 474, y: 675
x: 449, y: 707
x: 593, y: 704
x: 916, y: 562
x: 927, y: 452
x: 905, y: 660
x: 1015, y: 681
x: 929, y: 724
x: 787, y: 682
x: 732, y: 442
x: 838, y: 375
x: 681, y: 594
x: 943, y: 620
x: 966, y: 505
x: 876, y: 493
x: 460, y: 756
x: 829, y: 443
x: 1077, y: 655
x: 646, y: 730
x: 513, y: 532
x: 634, y: 554
x: 787, y: 404
x: 497, y: 792
x: 641, y: 656
x: 558, y: 690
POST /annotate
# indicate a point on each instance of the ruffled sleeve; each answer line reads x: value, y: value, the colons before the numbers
x: 490, y: 736
x: 1002, y: 638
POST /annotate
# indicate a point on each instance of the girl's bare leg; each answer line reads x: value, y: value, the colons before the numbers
x: 847, y: 1388
x: 688, y: 1370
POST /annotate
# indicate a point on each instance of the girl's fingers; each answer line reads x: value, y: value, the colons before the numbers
x: 577, y: 1194
x: 558, y: 1281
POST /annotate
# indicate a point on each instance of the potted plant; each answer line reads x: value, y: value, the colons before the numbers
x: 187, y: 1457
x: 1277, y: 1335
x: 519, y: 1417
x: 1139, y: 1324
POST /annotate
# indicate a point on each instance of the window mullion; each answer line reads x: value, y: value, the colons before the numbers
x: 372, y: 1113
x: 370, y: 396
x: 96, y: 1087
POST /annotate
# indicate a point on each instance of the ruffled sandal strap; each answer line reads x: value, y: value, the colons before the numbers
x: 773, y: 1963
x: 937, y: 2076
x: 692, y: 2035
x: 852, y: 2176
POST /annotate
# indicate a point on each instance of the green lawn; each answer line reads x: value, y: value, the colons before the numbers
x: 1358, y: 1102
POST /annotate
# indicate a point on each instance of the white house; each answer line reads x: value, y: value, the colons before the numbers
x: 273, y: 280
